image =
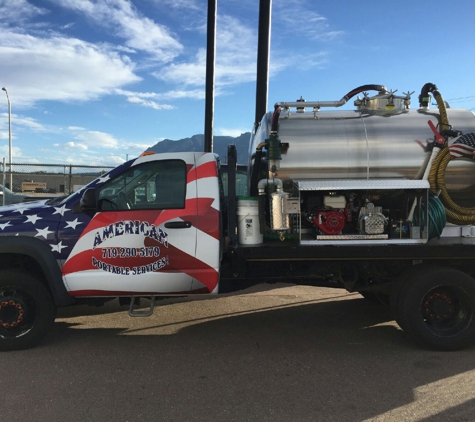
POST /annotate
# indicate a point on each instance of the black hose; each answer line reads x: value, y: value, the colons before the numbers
x: 255, y: 172
x: 261, y: 204
x: 380, y: 88
x: 424, y: 97
x: 258, y: 157
x: 275, y: 120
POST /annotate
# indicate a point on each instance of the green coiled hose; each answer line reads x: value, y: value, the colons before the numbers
x: 437, y: 217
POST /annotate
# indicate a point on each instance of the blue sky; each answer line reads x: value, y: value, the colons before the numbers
x: 92, y: 81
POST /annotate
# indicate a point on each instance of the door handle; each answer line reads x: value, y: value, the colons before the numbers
x: 178, y: 225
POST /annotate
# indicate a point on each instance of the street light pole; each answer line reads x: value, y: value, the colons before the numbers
x: 9, y: 136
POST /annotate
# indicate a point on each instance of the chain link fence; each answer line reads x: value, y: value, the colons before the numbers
x: 40, y: 180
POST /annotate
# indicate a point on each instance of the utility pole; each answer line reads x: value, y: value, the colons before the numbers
x: 210, y: 63
x: 9, y: 136
x: 263, y: 53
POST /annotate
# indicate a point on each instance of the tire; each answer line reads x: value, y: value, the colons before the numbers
x: 436, y: 307
x: 27, y: 310
x: 399, y: 289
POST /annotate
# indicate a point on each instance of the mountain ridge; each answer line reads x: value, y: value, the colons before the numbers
x: 196, y: 143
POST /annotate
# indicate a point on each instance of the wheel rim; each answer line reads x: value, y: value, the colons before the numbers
x: 447, y: 311
x: 17, y: 312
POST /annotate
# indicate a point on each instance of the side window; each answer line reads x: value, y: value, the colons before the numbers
x: 241, y: 180
x: 152, y: 185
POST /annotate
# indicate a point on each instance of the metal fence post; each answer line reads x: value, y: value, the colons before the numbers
x: 3, y: 183
x: 70, y: 179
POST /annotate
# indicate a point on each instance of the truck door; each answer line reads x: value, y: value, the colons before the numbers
x: 142, y: 240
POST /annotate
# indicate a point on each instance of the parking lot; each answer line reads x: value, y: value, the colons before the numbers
x: 269, y: 353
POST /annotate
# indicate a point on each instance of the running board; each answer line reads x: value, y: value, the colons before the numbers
x: 135, y: 301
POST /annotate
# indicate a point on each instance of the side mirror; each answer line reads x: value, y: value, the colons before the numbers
x: 88, y: 201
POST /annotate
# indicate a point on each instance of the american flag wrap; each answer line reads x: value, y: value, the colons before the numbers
x: 463, y: 146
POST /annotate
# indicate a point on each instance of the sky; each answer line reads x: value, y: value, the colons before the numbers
x: 98, y: 81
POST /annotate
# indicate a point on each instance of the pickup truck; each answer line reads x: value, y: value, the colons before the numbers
x: 148, y: 227
x: 358, y: 217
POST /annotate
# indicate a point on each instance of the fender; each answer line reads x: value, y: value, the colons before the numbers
x: 41, y: 253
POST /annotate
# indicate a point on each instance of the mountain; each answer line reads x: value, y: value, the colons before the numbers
x: 196, y: 143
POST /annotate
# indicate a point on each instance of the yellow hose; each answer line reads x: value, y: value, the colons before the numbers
x: 455, y: 213
x: 444, y: 118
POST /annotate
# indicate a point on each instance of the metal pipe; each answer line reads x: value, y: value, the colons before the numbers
x: 261, y: 186
x: 9, y: 136
x: 318, y: 104
x: 263, y: 52
x: 210, y: 65
x: 3, y: 183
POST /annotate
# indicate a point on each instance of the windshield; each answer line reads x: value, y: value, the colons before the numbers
x: 96, y: 182
x: 63, y: 199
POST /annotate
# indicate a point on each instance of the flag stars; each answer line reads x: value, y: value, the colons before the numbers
x: 103, y: 179
x: 21, y: 208
x: 61, y: 210
x: 5, y: 225
x: 43, y: 232
x: 58, y: 247
x: 32, y: 218
x: 72, y: 224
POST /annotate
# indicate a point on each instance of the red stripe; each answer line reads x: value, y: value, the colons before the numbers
x: 206, y: 170
x: 193, y: 207
x: 104, y: 219
x: 462, y: 147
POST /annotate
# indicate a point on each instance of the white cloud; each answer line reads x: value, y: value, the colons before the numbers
x: 96, y: 139
x: 182, y: 4
x: 59, y: 68
x: 230, y: 132
x: 137, y: 147
x: 235, y: 58
x: 149, y: 99
x: 236, y: 43
x: 19, y: 10
x: 75, y: 145
x: 313, y: 25
x: 140, y: 32
x: 283, y: 60
x: 111, y: 160
x: 19, y: 123
x: 191, y: 73
x: 108, y: 160
x: 96, y: 145
x: 29, y: 123
x: 149, y: 103
x: 16, y: 153
x: 197, y: 94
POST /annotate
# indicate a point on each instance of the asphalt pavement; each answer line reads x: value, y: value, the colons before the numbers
x: 269, y: 353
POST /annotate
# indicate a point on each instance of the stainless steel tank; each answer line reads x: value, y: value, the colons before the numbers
x: 345, y: 144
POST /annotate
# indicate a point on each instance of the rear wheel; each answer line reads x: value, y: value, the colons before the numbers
x: 27, y: 310
x: 436, y: 307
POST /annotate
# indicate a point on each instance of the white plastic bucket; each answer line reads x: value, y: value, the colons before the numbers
x: 248, y: 221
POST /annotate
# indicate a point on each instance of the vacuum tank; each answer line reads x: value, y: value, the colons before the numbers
x: 375, y: 173
x: 352, y: 144
x: 361, y: 144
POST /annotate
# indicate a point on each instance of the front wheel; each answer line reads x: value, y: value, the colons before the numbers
x: 27, y: 310
x: 437, y: 308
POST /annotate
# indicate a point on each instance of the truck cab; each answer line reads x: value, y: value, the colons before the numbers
x: 148, y: 227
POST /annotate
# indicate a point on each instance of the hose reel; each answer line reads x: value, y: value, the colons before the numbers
x: 455, y: 213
